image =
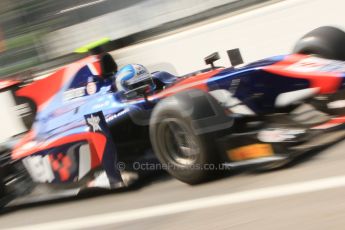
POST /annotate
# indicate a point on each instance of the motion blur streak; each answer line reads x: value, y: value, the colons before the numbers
x: 191, y: 205
x: 80, y: 6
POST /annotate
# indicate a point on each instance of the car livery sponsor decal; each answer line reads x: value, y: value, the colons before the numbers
x: 314, y: 64
x: 250, y: 152
x: 111, y: 117
x: 91, y: 88
x: 74, y: 93
x: 321, y: 73
x: 101, y: 105
x: 93, y: 121
x: 39, y: 168
x: 279, y: 135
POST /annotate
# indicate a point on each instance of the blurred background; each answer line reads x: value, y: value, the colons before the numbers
x: 174, y: 36
x: 37, y: 34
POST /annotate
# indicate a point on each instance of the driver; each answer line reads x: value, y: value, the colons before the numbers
x: 133, y: 76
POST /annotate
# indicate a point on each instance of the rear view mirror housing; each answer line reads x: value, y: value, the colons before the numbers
x: 209, y: 60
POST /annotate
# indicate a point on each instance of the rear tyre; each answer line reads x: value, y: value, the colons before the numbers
x: 327, y: 42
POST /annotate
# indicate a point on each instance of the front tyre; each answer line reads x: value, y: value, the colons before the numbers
x: 183, y: 153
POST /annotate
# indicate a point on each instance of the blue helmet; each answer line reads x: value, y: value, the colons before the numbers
x: 133, y: 76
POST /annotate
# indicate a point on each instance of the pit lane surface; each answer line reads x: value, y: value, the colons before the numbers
x: 307, y: 195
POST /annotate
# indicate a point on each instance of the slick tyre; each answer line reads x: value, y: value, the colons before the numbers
x: 187, y: 156
x: 326, y: 42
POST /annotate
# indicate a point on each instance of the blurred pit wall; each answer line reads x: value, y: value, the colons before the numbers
x: 138, y: 17
x: 266, y: 30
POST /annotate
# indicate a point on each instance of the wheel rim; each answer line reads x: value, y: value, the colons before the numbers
x: 178, y: 142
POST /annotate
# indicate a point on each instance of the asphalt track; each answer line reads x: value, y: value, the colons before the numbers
x: 308, y: 194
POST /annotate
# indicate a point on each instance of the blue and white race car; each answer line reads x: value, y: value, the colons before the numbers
x: 86, y: 123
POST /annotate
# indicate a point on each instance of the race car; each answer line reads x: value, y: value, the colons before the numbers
x: 86, y: 124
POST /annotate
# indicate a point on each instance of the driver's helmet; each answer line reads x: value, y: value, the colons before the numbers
x: 133, y: 76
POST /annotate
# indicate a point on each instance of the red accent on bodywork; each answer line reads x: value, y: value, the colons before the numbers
x: 42, y: 90
x: 337, y: 120
x: 97, y: 142
x: 98, y: 68
x: 26, y: 138
x: 331, y: 123
x: 328, y: 82
x: 61, y: 164
x: 194, y: 82
x: 97, y: 145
